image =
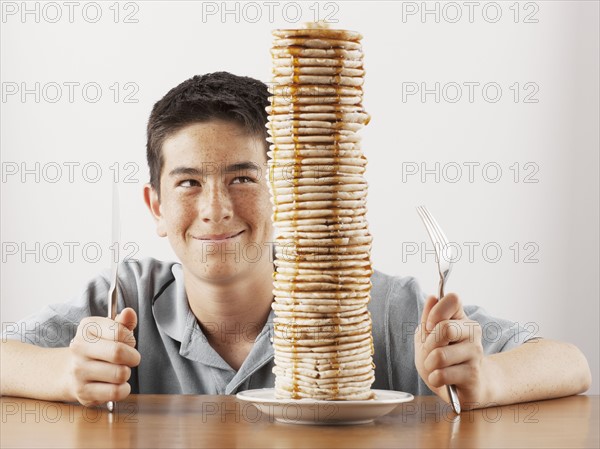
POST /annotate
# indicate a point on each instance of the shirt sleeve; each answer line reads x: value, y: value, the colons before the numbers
x: 404, y: 302
x: 499, y: 334
x: 55, y: 325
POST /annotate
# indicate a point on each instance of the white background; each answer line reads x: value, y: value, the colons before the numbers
x: 552, y: 45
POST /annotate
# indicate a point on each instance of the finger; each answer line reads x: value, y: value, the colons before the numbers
x: 97, y: 371
x: 421, y: 333
x: 430, y: 303
x: 459, y: 375
x: 108, y: 351
x: 127, y: 318
x: 452, y: 331
x: 96, y: 393
x: 448, y: 308
x: 451, y: 355
x: 95, y: 328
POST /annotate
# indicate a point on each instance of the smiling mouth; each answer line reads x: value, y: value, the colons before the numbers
x: 218, y: 237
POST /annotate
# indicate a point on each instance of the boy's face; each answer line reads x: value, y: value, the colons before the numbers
x: 215, y: 206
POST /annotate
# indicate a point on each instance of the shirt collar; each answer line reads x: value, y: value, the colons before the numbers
x: 175, y: 318
x: 170, y: 307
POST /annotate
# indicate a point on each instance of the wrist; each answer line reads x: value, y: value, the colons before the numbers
x: 65, y: 380
x: 491, y: 382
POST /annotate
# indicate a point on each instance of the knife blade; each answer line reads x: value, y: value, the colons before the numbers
x: 113, y: 294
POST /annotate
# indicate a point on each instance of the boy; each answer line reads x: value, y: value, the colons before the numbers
x: 203, y: 326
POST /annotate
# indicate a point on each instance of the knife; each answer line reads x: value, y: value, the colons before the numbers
x: 114, y: 264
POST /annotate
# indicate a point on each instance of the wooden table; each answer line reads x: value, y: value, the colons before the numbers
x: 223, y: 421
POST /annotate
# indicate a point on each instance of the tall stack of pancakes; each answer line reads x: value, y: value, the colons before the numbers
x: 323, y: 342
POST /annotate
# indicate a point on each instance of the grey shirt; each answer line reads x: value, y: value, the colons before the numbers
x: 176, y: 357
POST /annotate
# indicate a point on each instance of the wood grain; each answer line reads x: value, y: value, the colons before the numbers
x: 222, y: 421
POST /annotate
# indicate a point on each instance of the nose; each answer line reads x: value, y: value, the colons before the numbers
x: 215, y: 204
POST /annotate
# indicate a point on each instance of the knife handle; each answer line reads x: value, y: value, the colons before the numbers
x: 112, y: 314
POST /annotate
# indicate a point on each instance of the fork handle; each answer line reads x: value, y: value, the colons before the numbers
x: 453, y: 395
x: 450, y: 389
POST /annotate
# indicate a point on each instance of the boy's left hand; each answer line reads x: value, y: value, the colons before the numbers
x: 448, y: 351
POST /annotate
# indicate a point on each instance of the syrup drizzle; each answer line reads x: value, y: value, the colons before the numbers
x: 335, y: 223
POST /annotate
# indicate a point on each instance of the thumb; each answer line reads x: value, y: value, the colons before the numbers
x: 127, y: 318
x: 430, y: 303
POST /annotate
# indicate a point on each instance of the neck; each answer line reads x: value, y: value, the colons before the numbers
x: 228, y: 310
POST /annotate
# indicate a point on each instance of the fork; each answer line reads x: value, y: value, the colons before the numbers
x: 445, y: 259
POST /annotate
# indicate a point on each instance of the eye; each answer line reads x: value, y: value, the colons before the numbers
x: 242, y: 180
x: 188, y: 183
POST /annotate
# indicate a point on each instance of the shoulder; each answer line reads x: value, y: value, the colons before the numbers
x: 398, y: 295
x: 147, y: 277
x: 385, y: 285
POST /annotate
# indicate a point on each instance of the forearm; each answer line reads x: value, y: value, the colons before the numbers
x: 34, y: 372
x: 538, y: 369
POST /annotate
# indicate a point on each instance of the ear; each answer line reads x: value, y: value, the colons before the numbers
x: 153, y: 203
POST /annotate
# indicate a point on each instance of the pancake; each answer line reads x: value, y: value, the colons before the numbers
x: 322, y: 281
x: 316, y: 31
x: 317, y: 70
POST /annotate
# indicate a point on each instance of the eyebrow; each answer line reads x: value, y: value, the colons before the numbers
x: 209, y: 168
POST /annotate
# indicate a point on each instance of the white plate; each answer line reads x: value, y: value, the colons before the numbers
x: 311, y: 411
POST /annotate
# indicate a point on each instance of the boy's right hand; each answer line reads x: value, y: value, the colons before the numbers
x: 101, y: 357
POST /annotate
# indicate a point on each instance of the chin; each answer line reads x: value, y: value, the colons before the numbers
x: 218, y: 271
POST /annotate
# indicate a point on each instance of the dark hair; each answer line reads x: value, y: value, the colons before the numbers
x: 214, y: 96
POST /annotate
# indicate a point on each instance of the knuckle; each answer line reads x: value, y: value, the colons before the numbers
x: 444, y: 331
x: 447, y: 329
x: 81, y: 392
x: 113, y: 392
x: 439, y: 357
x: 78, y: 370
x: 119, y: 391
x: 122, y: 373
x: 127, y: 337
x: 137, y: 358
x: 120, y: 331
x: 118, y: 352
x: 434, y: 378
x: 125, y: 390
x: 75, y: 345
x: 453, y: 297
x: 473, y: 371
x: 441, y: 377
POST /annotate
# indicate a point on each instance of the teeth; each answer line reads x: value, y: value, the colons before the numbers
x: 323, y: 342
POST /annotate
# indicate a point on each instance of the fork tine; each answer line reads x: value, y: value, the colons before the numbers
x: 426, y: 222
x: 429, y: 227
x: 437, y: 228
